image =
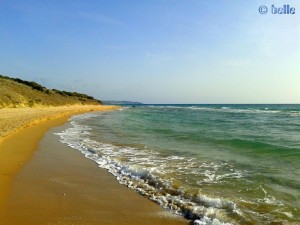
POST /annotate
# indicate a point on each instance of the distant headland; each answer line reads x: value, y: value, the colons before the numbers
x: 107, y: 102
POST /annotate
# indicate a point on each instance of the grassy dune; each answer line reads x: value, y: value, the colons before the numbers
x: 17, y: 93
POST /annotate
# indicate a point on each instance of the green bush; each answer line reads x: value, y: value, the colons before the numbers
x: 30, y: 103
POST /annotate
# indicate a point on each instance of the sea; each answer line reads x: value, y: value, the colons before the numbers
x: 212, y: 164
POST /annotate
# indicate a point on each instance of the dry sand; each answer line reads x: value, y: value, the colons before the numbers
x: 57, y: 185
x: 15, y: 119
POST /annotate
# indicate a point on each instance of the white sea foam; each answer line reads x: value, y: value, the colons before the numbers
x: 227, y: 109
x: 145, y: 171
x: 206, y: 221
x: 217, y: 172
x: 176, y: 182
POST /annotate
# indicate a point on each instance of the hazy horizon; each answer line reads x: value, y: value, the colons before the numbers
x: 189, y: 52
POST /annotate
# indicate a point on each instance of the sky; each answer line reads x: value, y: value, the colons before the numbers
x: 155, y: 51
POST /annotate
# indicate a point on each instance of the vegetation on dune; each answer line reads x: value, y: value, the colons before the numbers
x: 15, y: 92
x: 32, y: 84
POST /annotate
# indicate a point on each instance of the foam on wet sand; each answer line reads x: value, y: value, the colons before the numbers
x: 56, y: 185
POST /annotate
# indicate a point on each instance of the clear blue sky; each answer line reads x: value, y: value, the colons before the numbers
x: 167, y: 51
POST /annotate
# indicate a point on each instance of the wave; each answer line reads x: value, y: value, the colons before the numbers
x: 204, y: 189
x: 145, y: 174
x: 228, y: 109
x: 257, y: 146
x: 236, y: 110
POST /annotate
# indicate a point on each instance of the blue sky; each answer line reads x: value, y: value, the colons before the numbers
x: 167, y: 51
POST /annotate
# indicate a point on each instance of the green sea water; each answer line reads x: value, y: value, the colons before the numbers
x: 213, y: 164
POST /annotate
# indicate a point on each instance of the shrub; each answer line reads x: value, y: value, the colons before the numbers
x: 30, y: 103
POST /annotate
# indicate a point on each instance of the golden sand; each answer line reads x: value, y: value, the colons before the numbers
x: 15, y: 119
x: 17, y: 143
x: 56, y: 184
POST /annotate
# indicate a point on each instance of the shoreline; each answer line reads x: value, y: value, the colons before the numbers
x: 19, y: 177
x: 17, y: 147
x: 26, y: 117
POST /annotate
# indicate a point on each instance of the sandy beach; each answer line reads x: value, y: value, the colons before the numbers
x: 45, y: 182
x: 16, y: 119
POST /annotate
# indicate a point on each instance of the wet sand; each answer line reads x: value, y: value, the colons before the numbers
x: 57, y: 185
x: 20, y: 131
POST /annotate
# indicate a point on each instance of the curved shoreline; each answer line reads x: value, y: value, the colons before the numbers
x: 20, y: 131
x: 25, y: 160
x: 13, y: 120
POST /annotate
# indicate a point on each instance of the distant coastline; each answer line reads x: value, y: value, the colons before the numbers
x: 108, y: 102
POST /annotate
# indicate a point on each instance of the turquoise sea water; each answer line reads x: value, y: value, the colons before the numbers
x: 213, y: 164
